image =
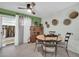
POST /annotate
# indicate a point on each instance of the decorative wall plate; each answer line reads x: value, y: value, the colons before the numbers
x: 54, y: 22
x: 67, y: 22
x: 73, y: 14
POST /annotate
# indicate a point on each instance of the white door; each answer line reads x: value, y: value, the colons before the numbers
x: 27, y: 24
x: 0, y: 31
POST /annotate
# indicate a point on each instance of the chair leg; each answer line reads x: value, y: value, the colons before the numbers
x: 56, y: 50
x: 42, y: 49
x: 45, y: 51
x: 35, y: 47
x: 67, y: 52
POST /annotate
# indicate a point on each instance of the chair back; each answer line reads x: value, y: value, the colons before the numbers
x: 67, y: 36
x: 52, y: 32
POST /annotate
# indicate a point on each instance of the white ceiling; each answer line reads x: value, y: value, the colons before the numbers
x: 42, y: 9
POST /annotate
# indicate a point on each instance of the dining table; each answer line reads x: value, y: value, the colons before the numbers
x: 50, y: 38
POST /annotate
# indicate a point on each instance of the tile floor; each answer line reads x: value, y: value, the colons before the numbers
x: 27, y: 50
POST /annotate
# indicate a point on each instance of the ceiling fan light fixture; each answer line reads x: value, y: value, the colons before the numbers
x: 29, y: 10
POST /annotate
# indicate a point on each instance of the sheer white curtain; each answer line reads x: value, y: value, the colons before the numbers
x: 22, y: 29
x: 27, y: 24
x: 19, y: 29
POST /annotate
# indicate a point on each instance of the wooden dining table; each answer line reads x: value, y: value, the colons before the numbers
x: 51, y: 38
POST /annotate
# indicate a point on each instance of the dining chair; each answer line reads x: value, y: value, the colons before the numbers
x: 38, y: 42
x: 49, y: 44
x: 65, y: 43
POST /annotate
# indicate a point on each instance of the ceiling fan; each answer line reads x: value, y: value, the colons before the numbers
x: 29, y: 7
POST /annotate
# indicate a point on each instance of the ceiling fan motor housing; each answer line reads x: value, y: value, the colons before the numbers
x: 28, y: 5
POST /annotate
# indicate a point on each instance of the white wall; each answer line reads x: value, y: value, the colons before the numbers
x: 62, y: 29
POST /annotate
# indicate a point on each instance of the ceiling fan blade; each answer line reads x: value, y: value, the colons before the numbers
x: 21, y: 8
x: 33, y: 4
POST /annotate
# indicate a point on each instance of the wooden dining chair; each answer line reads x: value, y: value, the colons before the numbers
x: 49, y: 44
x: 38, y: 42
x: 65, y: 43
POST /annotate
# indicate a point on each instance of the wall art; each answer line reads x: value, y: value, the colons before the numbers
x: 54, y: 22
x: 67, y: 22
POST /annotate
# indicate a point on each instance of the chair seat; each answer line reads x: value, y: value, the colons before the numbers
x: 49, y: 49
